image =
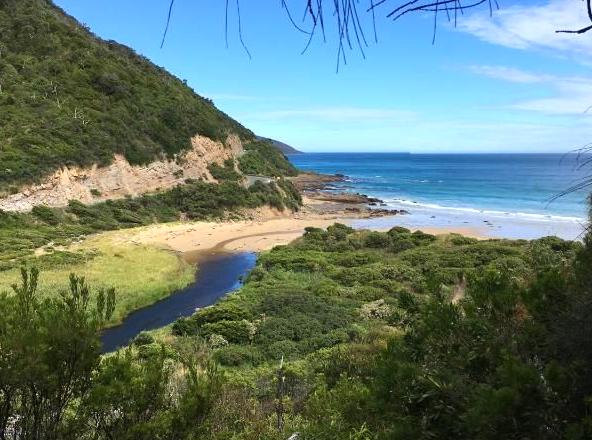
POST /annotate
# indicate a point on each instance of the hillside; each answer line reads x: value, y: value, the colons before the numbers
x: 283, y: 147
x: 71, y: 99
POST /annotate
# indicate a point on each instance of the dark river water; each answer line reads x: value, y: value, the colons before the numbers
x: 217, y: 275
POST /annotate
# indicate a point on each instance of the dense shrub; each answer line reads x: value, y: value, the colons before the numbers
x: 236, y: 355
x: 224, y: 311
x: 263, y: 159
x: 143, y: 338
x: 225, y: 171
x: 239, y: 332
x: 377, y: 240
x: 185, y: 327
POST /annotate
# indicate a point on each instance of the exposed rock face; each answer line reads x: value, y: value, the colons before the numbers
x: 120, y: 179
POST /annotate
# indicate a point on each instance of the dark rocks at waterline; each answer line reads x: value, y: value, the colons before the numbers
x: 376, y: 212
x: 343, y: 197
x: 316, y: 181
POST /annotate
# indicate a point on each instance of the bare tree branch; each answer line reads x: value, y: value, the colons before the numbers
x: 348, y: 22
x: 166, y: 29
x: 585, y: 29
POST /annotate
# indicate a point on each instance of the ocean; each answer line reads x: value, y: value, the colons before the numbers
x: 504, y: 194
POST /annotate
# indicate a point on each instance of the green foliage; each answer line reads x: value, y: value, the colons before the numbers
x: 223, y: 312
x: 380, y: 347
x: 50, y: 349
x: 263, y: 159
x: 233, y: 331
x: 224, y: 172
x: 374, y: 346
x: 54, y: 384
x: 69, y: 97
x: 377, y: 240
x: 22, y: 233
x: 143, y: 338
x: 237, y: 355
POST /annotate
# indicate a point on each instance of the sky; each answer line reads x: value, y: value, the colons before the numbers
x: 501, y: 83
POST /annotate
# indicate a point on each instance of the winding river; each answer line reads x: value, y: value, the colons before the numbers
x: 218, y: 275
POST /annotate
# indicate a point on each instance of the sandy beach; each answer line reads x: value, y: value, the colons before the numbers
x: 267, y: 229
x: 263, y: 229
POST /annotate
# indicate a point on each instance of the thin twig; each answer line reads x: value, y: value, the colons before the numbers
x: 166, y: 29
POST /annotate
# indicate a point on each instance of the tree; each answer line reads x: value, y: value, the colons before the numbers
x: 50, y: 347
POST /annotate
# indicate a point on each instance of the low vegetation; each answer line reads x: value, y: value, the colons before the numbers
x: 226, y: 171
x: 22, y: 233
x: 343, y: 334
x: 263, y: 159
x: 140, y: 274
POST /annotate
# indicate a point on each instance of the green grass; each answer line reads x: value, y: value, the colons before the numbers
x: 140, y: 274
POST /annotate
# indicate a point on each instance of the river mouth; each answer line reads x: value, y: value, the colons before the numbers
x: 219, y: 274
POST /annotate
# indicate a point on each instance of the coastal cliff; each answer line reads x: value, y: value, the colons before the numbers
x: 123, y: 179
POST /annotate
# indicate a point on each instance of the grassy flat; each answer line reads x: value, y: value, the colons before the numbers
x: 141, y: 274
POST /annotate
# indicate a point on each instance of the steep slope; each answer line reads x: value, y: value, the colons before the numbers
x: 71, y: 99
x: 283, y: 147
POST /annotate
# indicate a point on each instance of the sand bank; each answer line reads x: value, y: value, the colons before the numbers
x: 249, y: 235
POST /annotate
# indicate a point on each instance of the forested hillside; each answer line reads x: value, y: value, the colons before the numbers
x: 70, y: 98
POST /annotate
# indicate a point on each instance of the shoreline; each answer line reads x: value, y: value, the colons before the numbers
x: 193, y: 240
x: 324, y: 205
x: 490, y: 223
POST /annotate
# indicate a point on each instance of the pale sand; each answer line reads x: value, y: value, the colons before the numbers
x: 244, y: 235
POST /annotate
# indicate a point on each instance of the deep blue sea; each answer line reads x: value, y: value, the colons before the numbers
x: 518, y: 185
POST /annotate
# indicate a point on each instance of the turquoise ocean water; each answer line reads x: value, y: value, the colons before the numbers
x: 464, y: 187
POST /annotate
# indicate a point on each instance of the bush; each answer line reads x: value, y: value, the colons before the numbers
x: 143, y: 338
x: 225, y: 172
x: 263, y: 159
x: 285, y: 349
x: 225, y: 311
x: 401, y: 245
x: 47, y: 214
x: 238, y: 332
x: 420, y: 238
x: 185, y: 327
x: 217, y: 341
x: 459, y: 240
x: 237, y: 355
x: 398, y: 230
x: 377, y: 240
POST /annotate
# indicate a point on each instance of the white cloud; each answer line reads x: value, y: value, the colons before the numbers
x: 338, y: 114
x: 573, y: 97
x: 531, y: 27
x: 569, y: 95
x: 509, y: 74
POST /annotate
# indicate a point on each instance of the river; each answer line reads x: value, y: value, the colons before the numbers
x: 218, y: 275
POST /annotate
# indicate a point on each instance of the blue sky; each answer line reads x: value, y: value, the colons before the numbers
x: 501, y: 84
